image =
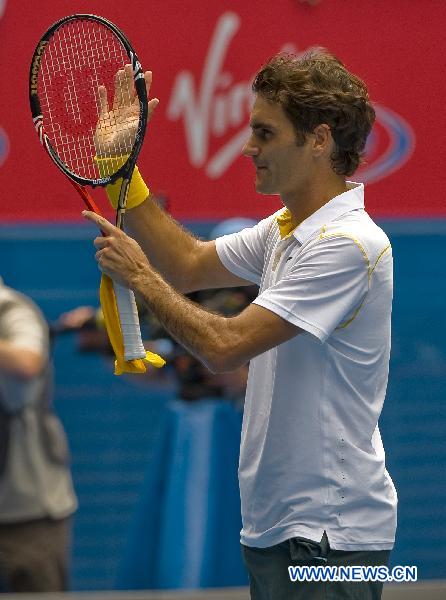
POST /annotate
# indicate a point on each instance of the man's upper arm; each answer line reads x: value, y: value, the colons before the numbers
x: 210, y: 272
x: 232, y: 260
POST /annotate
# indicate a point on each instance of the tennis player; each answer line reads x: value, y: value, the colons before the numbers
x: 313, y: 483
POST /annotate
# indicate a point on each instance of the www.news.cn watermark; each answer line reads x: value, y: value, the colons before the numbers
x: 353, y: 573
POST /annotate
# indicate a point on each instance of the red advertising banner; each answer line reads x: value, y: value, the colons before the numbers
x: 203, y: 55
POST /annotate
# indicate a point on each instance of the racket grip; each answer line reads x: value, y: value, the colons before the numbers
x: 128, y: 315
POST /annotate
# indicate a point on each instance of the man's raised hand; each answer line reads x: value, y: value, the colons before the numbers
x: 116, y: 128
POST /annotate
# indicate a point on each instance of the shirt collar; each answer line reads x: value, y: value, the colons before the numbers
x: 350, y: 200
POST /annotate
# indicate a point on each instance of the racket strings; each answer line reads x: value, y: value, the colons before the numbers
x: 81, y: 56
x: 109, y: 124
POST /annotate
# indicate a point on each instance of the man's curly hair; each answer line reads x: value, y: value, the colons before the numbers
x: 316, y: 88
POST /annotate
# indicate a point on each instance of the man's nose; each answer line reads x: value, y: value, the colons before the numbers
x: 249, y: 149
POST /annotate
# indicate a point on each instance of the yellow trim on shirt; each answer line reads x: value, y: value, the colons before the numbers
x: 286, y: 228
x: 350, y: 237
x: 378, y: 259
x: 370, y: 269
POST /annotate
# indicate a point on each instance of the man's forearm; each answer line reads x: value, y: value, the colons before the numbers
x: 169, y: 247
x: 213, y: 339
x: 206, y: 335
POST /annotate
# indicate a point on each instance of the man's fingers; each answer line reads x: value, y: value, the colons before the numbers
x: 123, y: 89
x: 101, y: 242
x: 103, y: 103
x: 131, y: 92
x: 105, y: 226
x: 148, y: 80
x: 151, y: 107
x: 99, y: 254
x: 117, y: 100
x: 153, y: 103
x: 103, y: 122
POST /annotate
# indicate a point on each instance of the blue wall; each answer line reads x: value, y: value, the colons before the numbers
x: 115, y: 424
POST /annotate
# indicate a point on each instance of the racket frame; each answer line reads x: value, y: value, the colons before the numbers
x: 125, y: 298
x: 126, y: 170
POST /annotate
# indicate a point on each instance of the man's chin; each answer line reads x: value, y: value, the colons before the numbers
x: 262, y: 189
x: 261, y: 185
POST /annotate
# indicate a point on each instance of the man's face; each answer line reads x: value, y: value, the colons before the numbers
x: 282, y: 167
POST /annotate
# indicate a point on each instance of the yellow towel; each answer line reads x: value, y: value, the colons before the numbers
x: 113, y: 326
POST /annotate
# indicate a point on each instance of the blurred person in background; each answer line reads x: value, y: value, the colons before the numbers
x: 36, y: 490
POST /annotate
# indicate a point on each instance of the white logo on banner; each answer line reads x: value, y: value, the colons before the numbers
x: 2, y: 7
x: 215, y: 105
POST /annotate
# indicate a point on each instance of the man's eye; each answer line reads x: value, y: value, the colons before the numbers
x: 264, y: 133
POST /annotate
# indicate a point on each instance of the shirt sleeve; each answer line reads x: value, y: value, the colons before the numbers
x: 24, y: 327
x: 326, y: 283
x: 243, y: 253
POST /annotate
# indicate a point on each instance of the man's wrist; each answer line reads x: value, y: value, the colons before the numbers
x: 138, y: 190
x: 142, y: 281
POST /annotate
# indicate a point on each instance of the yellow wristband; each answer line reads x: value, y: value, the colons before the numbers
x: 138, y: 190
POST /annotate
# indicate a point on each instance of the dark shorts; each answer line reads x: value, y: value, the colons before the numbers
x: 269, y: 578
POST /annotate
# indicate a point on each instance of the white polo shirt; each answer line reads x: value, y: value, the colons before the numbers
x: 311, y: 457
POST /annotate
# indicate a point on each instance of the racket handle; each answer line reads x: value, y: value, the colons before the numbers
x: 128, y: 315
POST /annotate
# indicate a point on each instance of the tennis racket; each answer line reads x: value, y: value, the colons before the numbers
x: 79, y: 62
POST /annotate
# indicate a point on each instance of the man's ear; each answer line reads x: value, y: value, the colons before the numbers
x: 323, y: 141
